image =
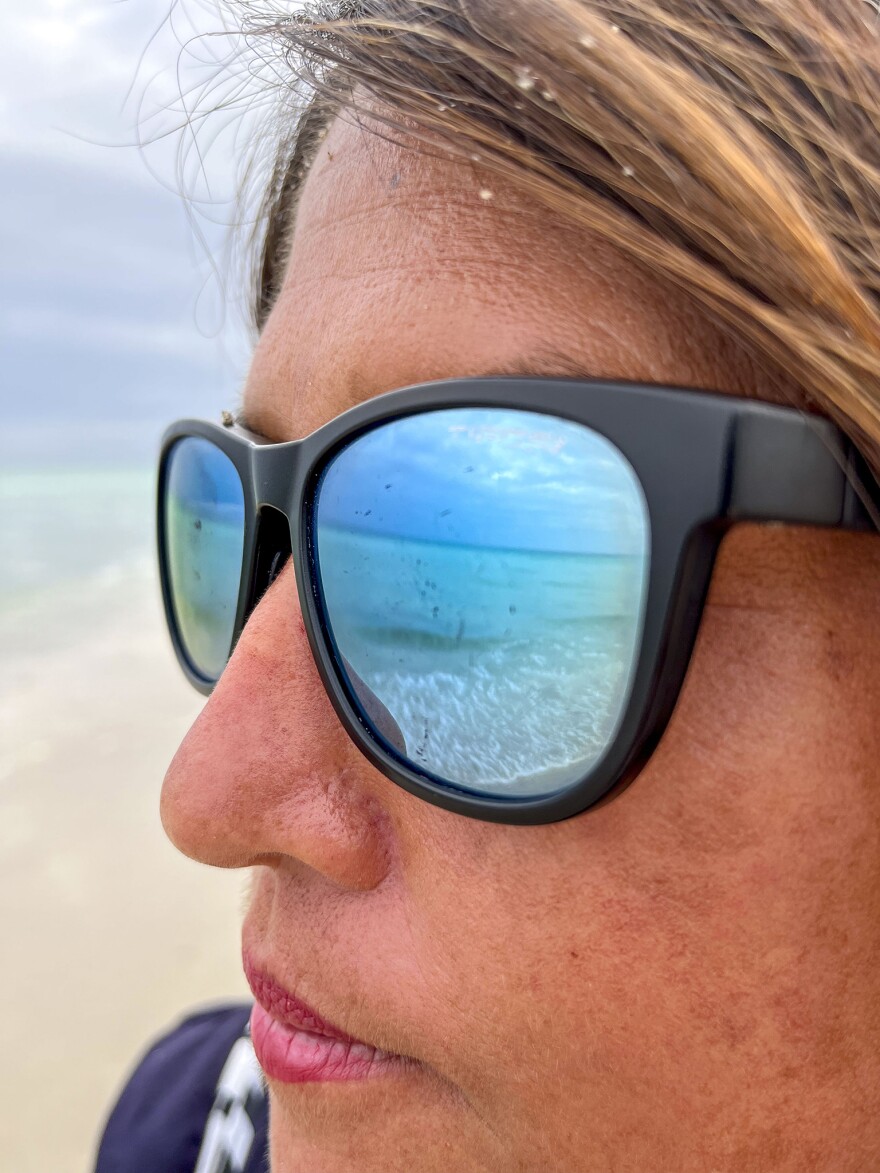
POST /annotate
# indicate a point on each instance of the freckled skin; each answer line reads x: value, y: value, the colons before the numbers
x: 686, y: 979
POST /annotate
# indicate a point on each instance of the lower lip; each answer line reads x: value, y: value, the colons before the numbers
x: 291, y: 1055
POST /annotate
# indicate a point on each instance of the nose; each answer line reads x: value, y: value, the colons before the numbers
x: 267, y: 774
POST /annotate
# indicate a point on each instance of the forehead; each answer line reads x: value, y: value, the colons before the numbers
x: 406, y: 268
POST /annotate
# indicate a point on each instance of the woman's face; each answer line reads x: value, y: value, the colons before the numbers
x: 685, y: 978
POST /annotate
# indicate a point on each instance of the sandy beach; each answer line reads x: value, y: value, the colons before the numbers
x: 110, y: 935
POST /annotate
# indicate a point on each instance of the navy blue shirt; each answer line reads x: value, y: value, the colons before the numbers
x: 195, y: 1103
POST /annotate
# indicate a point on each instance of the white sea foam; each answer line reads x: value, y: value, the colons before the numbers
x: 513, y: 716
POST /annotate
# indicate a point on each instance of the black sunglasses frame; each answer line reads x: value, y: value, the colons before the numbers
x: 705, y: 461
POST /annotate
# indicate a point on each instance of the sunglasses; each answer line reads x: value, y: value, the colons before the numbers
x: 501, y: 579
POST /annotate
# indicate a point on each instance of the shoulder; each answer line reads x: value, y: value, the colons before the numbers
x: 195, y: 1099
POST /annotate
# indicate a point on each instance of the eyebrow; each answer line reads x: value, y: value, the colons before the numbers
x: 542, y: 363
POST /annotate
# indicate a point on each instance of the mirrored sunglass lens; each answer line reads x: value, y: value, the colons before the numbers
x: 484, y: 574
x: 204, y: 545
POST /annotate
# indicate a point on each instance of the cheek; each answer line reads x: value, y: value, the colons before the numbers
x: 708, y: 910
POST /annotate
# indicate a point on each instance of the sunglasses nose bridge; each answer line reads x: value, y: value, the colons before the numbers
x: 274, y: 471
x: 275, y: 476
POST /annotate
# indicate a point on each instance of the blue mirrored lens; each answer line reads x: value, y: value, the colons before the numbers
x: 484, y: 575
x: 204, y: 537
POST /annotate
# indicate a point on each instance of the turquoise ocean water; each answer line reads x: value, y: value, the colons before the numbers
x: 74, y: 542
x: 503, y: 669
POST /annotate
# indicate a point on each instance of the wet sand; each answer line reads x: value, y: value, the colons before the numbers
x: 109, y: 934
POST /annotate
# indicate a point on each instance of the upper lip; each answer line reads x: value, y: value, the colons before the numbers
x: 286, y: 1008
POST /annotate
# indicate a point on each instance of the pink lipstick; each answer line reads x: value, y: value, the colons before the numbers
x: 293, y: 1044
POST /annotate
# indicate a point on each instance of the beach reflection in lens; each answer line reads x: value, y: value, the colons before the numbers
x: 204, y: 536
x: 484, y: 574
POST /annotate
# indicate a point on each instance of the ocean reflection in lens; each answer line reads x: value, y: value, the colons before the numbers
x: 484, y: 574
x: 204, y: 534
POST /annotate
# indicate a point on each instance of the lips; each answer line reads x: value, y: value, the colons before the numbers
x: 294, y: 1044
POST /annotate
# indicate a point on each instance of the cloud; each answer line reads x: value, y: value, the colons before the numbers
x: 110, y: 309
x: 488, y: 477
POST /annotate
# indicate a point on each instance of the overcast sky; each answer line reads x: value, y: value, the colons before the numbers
x: 111, y: 323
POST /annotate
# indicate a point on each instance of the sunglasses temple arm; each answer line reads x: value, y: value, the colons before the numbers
x: 800, y: 471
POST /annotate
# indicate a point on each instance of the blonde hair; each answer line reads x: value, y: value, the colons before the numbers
x: 732, y: 146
